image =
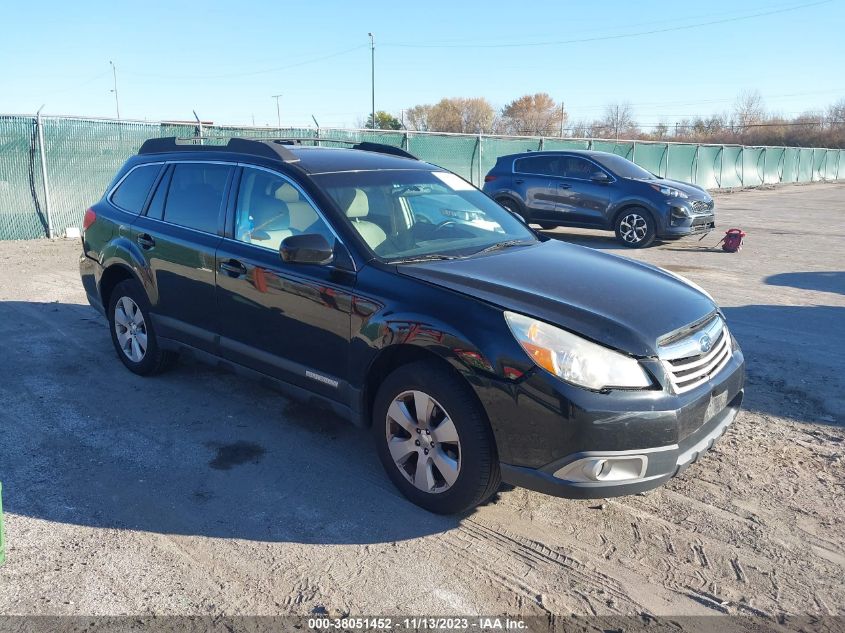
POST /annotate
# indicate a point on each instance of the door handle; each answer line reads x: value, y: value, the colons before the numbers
x: 233, y: 267
x: 518, y: 181
x: 564, y: 185
x: 145, y: 241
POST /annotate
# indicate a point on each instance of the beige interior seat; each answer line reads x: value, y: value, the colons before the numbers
x: 357, y: 210
x: 302, y: 214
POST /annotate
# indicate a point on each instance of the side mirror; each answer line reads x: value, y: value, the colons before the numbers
x: 310, y: 248
x: 600, y: 177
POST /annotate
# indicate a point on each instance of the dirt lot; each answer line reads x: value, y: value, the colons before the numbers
x: 198, y: 492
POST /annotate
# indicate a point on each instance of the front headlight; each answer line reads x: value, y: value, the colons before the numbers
x: 670, y: 192
x: 574, y: 359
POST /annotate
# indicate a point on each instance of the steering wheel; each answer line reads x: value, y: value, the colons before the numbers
x: 448, y: 224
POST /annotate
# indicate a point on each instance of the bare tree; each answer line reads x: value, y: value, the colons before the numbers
x: 748, y: 110
x: 580, y: 129
x: 534, y: 115
x: 618, y: 121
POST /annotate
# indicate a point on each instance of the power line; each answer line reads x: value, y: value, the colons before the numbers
x: 618, y: 36
x: 254, y: 72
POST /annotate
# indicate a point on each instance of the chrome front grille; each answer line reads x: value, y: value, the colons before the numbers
x: 699, y: 206
x: 697, y: 357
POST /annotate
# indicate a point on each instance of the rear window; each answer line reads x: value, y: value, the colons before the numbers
x: 132, y: 193
x: 195, y: 195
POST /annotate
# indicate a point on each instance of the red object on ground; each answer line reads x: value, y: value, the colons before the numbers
x: 732, y: 241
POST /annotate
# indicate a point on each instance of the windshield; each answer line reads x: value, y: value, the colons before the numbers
x: 622, y: 167
x: 412, y: 214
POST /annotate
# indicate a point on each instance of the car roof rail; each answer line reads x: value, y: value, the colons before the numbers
x: 267, y: 148
x: 365, y: 146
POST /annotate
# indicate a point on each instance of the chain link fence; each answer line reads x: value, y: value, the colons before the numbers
x: 53, y: 168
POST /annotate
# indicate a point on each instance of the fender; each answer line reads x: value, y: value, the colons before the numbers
x: 123, y: 252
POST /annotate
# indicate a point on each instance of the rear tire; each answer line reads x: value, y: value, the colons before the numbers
x: 132, y: 331
x: 635, y: 228
x: 433, y: 439
x: 514, y: 208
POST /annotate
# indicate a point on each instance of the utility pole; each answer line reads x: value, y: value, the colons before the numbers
x: 278, y: 112
x: 373, y: 75
x: 561, y: 119
x: 114, y: 90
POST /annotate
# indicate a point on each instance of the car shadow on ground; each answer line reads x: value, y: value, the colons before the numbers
x: 605, y: 242
x: 195, y: 451
x: 198, y: 451
x: 824, y: 281
x: 795, y: 358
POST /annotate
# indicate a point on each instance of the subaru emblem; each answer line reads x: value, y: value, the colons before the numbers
x: 705, y: 343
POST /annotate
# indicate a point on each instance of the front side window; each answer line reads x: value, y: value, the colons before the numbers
x: 407, y: 214
x: 575, y: 167
x: 132, y: 193
x: 270, y: 208
x: 196, y: 195
x: 622, y: 167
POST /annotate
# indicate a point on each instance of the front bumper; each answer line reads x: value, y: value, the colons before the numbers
x: 551, y: 433
x: 685, y: 217
x: 661, y: 464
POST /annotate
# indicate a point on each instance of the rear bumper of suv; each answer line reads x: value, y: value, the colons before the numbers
x: 580, y: 444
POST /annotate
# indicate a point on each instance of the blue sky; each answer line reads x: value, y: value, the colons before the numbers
x: 226, y: 59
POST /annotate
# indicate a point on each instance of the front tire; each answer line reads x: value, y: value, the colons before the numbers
x: 433, y: 439
x: 132, y: 331
x: 635, y: 228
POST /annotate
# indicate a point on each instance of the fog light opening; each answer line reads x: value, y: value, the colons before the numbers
x: 605, y: 468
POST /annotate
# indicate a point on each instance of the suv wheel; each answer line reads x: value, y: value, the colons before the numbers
x: 132, y: 331
x: 433, y: 439
x: 635, y: 228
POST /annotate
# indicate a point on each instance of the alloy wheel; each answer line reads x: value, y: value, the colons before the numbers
x: 633, y: 228
x: 423, y: 441
x: 131, y: 329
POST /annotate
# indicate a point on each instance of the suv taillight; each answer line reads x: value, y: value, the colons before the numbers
x: 89, y: 218
x: 489, y: 178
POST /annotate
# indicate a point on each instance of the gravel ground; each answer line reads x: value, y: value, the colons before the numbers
x: 198, y: 492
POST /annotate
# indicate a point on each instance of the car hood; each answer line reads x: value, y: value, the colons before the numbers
x: 621, y: 303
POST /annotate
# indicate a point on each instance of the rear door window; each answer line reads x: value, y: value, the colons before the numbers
x: 539, y: 165
x: 131, y: 194
x: 196, y: 194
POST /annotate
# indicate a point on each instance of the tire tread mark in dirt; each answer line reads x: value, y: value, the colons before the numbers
x: 546, y: 561
x: 739, y: 571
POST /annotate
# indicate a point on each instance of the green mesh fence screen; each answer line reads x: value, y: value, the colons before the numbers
x: 82, y: 156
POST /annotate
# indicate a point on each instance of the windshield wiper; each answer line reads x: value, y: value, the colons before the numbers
x: 423, y: 258
x: 500, y: 245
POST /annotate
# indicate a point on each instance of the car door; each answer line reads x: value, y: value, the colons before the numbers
x: 287, y: 320
x: 580, y: 196
x: 178, y: 237
x: 532, y: 180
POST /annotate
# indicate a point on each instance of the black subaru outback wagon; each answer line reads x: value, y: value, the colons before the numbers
x: 475, y: 350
